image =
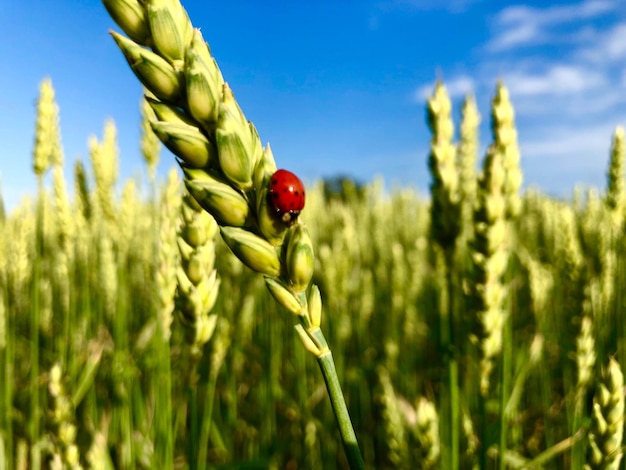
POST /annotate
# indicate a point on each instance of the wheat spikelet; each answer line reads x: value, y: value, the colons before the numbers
x: 82, y: 198
x: 104, y: 157
x: 107, y: 274
x: 65, y: 234
x: 445, y: 191
x: 128, y: 219
x: 505, y: 142
x: 426, y: 432
x: 64, y: 216
x: 393, y: 434
x: 489, y: 258
x: 585, y: 353
x: 45, y: 309
x: 168, y: 253
x: 541, y: 283
x: 467, y: 154
x: 150, y: 144
x: 21, y: 233
x: 615, y: 198
x: 607, y: 420
x: 198, y: 284
x: 62, y: 416
x: 98, y: 455
x: 47, y: 149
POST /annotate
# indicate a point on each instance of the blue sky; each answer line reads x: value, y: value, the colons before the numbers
x: 337, y: 87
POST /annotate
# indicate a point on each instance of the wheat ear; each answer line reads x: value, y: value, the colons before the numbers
x: 225, y: 167
x: 607, y: 420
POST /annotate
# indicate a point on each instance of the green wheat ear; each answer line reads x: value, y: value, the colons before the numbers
x: 607, y: 420
x: 67, y: 453
x: 225, y: 166
x: 198, y: 283
x: 226, y: 169
x: 445, y: 190
x: 467, y: 154
x: 47, y: 150
x: 489, y: 259
x: 505, y: 141
x: 616, y: 187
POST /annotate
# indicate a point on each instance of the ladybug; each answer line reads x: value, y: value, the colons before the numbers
x: 286, y: 192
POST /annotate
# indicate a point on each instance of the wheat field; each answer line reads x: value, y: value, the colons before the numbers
x: 479, y: 327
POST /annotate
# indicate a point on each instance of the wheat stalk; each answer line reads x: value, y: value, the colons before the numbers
x: 150, y: 144
x: 225, y: 166
x: 445, y: 227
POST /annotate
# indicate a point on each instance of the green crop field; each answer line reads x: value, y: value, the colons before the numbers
x: 480, y: 327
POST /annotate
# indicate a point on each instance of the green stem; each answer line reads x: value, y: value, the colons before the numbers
x: 207, y: 419
x: 34, y: 335
x: 453, y: 377
x: 164, y: 444
x: 348, y: 437
x: 484, y: 434
x: 337, y: 400
x: 6, y: 362
x: 449, y: 342
x: 505, y: 375
x: 192, y: 442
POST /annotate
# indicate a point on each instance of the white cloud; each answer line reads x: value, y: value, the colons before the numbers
x: 460, y: 86
x: 520, y: 34
x: 616, y: 42
x: 522, y: 25
x: 607, y: 46
x: 562, y: 141
x: 560, y: 79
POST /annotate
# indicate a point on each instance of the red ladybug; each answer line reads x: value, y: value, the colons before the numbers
x: 287, y: 195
